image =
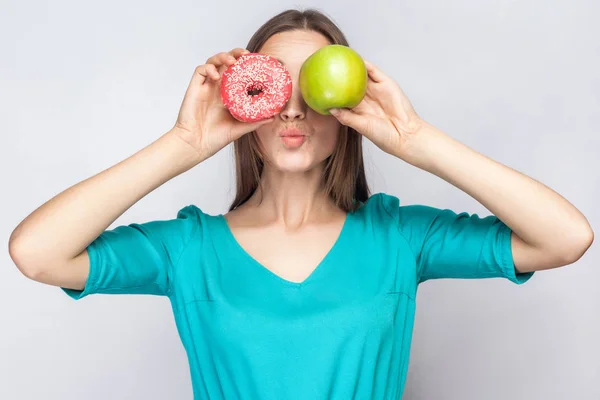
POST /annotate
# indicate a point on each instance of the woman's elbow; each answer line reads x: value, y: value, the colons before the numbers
x: 22, y: 257
x: 32, y: 263
x: 579, y: 243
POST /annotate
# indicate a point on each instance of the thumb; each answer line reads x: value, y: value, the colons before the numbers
x: 242, y: 128
x: 348, y: 118
x: 262, y: 122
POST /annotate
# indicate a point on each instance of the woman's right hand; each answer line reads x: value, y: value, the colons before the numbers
x: 203, y: 121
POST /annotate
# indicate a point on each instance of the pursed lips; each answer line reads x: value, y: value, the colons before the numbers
x: 292, y: 137
x: 291, y: 132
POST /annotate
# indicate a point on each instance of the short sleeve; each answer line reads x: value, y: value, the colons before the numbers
x: 447, y: 244
x: 458, y: 245
x: 138, y: 258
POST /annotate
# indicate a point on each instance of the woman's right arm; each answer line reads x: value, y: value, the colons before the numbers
x: 50, y: 245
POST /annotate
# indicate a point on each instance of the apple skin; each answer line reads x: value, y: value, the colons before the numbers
x: 335, y: 76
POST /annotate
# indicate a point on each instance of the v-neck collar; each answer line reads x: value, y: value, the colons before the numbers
x: 315, y: 272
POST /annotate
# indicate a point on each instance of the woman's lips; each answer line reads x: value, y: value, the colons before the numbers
x: 292, y: 137
x: 293, y: 141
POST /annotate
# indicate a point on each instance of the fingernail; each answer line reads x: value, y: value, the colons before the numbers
x: 334, y: 111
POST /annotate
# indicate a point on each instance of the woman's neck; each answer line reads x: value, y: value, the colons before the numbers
x: 292, y: 198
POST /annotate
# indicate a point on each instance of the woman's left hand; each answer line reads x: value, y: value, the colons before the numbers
x: 385, y: 115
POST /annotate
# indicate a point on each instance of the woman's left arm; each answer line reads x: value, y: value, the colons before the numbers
x: 547, y: 230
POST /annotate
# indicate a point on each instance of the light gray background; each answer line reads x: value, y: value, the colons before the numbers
x: 84, y: 85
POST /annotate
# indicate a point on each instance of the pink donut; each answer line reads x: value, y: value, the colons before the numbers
x: 256, y: 87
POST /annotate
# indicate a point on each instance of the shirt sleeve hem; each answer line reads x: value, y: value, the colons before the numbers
x: 507, y: 258
x: 90, y: 284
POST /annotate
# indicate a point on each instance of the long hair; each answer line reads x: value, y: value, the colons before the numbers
x: 344, y: 178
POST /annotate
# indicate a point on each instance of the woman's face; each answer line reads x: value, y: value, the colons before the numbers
x: 321, y: 131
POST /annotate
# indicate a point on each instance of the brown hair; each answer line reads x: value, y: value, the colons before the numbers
x: 344, y: 178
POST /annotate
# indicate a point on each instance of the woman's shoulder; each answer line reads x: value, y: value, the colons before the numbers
x: 379, y: 209
x: 383, y: 199
x: 379, y: 203
x: 390, y: 206
x: 190, y: 212
x: 191, y: 224
x: 193, y: 212
x: 198, y: 221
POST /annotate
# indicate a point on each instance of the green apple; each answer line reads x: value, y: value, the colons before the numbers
x: 335, y: 76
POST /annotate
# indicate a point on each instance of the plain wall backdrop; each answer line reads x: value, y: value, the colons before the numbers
x: 84, y: 85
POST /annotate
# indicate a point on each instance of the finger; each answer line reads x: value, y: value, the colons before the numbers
x: 204, y: 72
x: 238, y: 52
x: 199, y: 74
x: 349, y: 118
x: 242, y: 128
x: 221, y: 59
x: 212, y: 72
x: 223, y: 68
x: 375, y: 72
x: 228, y: 59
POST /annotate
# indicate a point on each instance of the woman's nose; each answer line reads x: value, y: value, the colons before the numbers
x: 295, y: 108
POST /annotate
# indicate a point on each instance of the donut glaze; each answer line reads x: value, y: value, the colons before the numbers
x: 256, y: 87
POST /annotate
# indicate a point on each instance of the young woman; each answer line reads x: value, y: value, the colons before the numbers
x: 306, y: 288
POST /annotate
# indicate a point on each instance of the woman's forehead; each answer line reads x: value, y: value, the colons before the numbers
x: 294, y: 47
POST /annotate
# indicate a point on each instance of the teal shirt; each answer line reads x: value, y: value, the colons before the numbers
x: 342, y: 333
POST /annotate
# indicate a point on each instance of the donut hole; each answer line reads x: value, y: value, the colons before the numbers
x: 255, y: 90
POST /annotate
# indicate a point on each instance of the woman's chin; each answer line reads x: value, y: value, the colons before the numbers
x: 295, y: 163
